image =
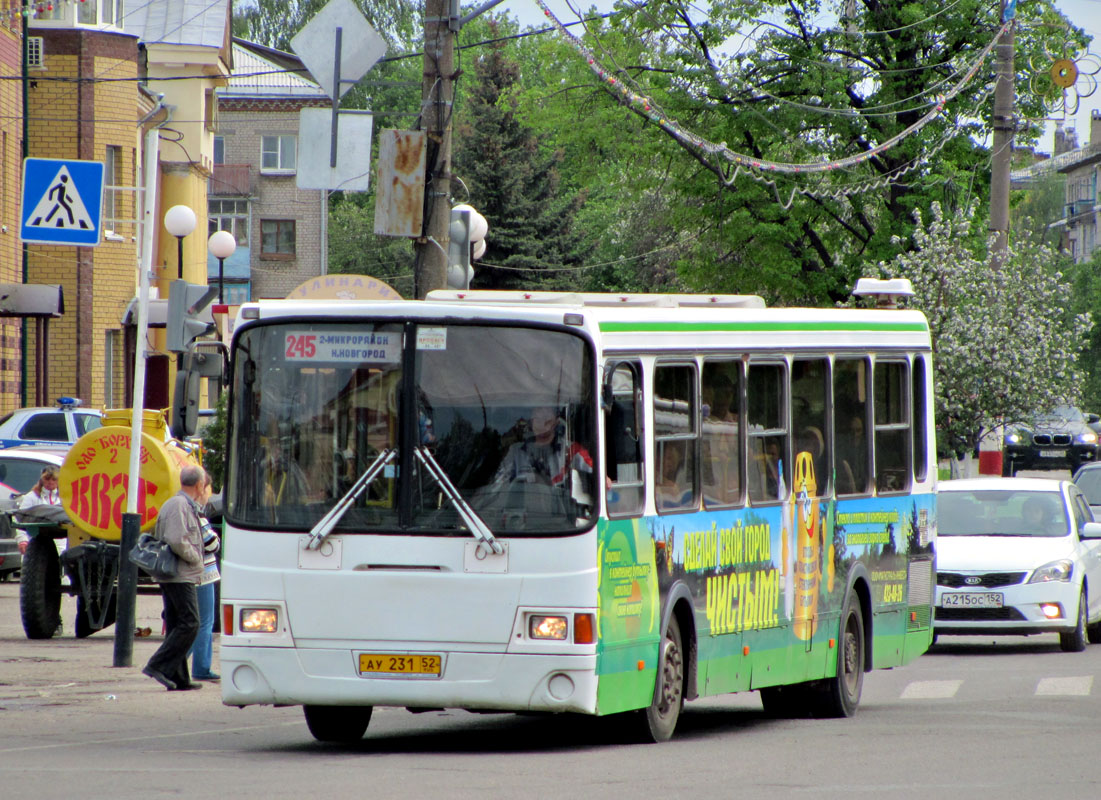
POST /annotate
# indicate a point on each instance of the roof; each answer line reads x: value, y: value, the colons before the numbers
x: 191, y: 22
x: 264, y: 72
x: 654, y: 322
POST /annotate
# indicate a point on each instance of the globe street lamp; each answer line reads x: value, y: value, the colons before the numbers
x: 221, y: 246
x: 179, y: 221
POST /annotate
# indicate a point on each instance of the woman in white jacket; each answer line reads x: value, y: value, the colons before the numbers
x: 42, y: 493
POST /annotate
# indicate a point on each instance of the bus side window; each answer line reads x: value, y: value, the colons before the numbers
x: 675, y: 400
x: 623, y: 462
x: 720, y: 439
x: 769, y: 476
x: 892, y: 426
x: 809, y: 391
x: 851, y: 443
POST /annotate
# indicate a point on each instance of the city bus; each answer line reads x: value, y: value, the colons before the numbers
x: 564, y: 502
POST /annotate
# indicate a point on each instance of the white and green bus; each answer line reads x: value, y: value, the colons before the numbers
x: 601, y: 504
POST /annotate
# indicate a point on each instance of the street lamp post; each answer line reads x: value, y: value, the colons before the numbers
x: 221, y: 246
x: 179, y: 221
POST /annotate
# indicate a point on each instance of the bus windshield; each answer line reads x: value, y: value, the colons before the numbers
x: 506, y: 414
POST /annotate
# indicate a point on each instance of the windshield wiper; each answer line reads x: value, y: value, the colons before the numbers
x: 475, y: 524
x: 325, y: 525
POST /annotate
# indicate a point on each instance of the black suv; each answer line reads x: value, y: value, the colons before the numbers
x: 1060, y: 438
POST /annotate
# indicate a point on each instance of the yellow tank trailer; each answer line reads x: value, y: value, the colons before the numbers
x: 93, y: 485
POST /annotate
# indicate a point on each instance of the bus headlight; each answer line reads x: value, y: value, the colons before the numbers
x: 542, y: 626
x: 259, y: 620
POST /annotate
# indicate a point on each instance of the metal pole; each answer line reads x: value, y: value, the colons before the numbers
x: 131, y: 520
x: 1004, y: 128
x: 439, y: 68
x: 336, y: 97
x: 179, y: 257
x: 221, y: 269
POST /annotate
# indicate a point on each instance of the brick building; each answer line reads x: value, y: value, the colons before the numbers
x: 84, y: 102
x: 11, y: 253
x: 103, y: 73
x: 280, y: 229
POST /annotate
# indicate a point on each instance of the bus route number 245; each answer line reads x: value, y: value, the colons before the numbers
x: 301, y: 345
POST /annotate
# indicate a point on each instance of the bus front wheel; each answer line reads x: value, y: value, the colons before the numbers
x: 657, y: 722
x: 341, y: 724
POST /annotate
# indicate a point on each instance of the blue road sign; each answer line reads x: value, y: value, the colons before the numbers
x: 62, y: 201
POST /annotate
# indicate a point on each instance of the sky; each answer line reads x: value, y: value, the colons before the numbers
x: 1086, y: 14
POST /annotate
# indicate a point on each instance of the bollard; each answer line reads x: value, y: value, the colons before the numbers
x: 127, y: 592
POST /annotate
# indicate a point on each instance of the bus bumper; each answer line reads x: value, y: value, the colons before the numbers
x: 485, y: 681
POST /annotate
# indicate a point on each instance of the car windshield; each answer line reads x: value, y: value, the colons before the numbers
x: 1001, y: 513
x: 1089, y: 481
x: 1060, y: 416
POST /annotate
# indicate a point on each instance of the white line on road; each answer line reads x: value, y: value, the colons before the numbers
x: 1079, y: 686
x: 931, y: 690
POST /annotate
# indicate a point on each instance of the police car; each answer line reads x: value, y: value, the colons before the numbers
x: 63, y: 424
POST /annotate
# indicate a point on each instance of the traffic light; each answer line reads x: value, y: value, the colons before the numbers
x: 468, y: 228
x: 458, y: 249
x: 182, y: 325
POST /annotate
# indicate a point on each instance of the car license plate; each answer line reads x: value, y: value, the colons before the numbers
x: 425, y: 665
x: 972, y: 600
x: 1053, y: 453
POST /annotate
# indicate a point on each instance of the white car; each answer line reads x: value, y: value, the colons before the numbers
x: 61, y: 425
x: 1017, y: 556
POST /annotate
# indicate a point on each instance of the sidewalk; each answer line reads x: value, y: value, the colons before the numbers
x: 66, y: 671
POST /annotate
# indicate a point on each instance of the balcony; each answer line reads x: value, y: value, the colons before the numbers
x: 230, y: 180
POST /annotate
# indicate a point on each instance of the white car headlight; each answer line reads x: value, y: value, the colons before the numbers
x: 1013, y: 438
x: 1086, y: 438
x: 1060, y: 570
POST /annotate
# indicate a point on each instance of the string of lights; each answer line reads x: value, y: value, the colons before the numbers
x: 644, y: 105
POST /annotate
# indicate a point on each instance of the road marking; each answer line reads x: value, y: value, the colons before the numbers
x: 1078, y: 686
x: 931, y: 690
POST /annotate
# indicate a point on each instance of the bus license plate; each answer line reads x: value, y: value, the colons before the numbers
x: 419, y: 664
x: 1053, y: 453
x: 972, y: 600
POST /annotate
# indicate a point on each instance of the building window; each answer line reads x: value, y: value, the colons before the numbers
x: 219, y: 149
x: 112, y: 164
x: 277, y: 238
x: 277, y: 153
x: 229, y: 215
x: 210, y: 110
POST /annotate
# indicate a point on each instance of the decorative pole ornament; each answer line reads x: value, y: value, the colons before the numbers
x: 1072, y: 77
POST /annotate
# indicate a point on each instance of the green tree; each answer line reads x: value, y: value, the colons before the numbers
x: 512, y: 180
x: 1006, y: 342
x: 800, y: 87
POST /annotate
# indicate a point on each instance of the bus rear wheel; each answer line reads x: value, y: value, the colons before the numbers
x: 340, y: 724
x: 657, y: 722
x: 843, y: 690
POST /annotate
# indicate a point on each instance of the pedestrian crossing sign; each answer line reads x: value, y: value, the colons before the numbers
x: 62, y: 201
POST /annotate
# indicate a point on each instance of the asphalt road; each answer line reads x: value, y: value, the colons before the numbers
x: 975, y: 717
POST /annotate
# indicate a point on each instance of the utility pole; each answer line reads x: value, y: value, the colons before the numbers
x: 1005, y: 124
x: 436, y: 107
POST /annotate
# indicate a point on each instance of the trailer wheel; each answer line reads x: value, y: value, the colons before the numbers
x: 40, y: 589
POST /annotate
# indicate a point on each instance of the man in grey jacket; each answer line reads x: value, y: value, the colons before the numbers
x: 179, y: 525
